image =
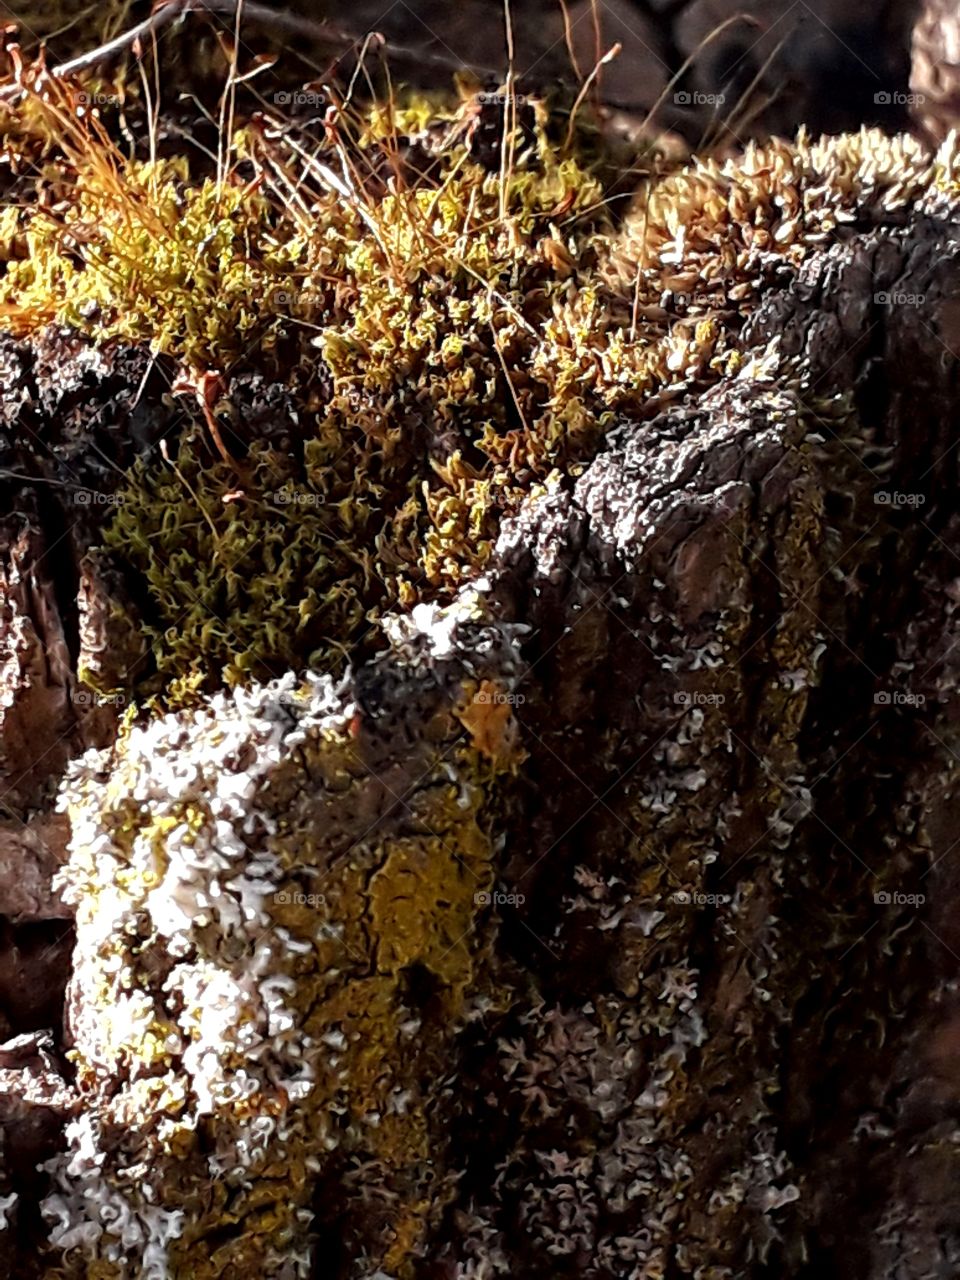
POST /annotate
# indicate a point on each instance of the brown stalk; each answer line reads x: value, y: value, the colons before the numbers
x: 171, y: 11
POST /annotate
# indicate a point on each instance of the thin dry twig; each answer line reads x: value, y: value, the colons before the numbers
x: 613, y: 52
x: 568, y: 40
x: 277, y: 19
x: 707, y: 40
x: 731, y: 124
x: 508, y: 141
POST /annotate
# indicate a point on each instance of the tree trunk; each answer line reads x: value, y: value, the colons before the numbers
x: 597, y: 918
x: 634, y: 868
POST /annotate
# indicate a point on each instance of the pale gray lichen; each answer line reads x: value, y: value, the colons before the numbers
x: 249, y: 896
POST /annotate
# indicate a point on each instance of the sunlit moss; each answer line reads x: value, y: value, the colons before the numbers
x: 142, y: 255
x: 469, y: 327
x: 446, y: 317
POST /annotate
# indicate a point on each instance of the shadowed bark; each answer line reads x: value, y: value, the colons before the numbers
x: 713, y: 1028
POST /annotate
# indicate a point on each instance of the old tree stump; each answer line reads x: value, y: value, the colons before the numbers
x: 480, y: 690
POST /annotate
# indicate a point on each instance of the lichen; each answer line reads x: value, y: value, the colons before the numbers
x: 280, y: 881
x: 247, y: 932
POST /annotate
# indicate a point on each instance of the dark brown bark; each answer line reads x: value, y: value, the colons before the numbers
x: 740, y: 682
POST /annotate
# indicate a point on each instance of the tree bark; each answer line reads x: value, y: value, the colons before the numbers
x: 666, y: 986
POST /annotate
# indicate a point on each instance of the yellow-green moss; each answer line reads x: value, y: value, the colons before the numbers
x: 463, y: 356
x: 467, y: 335
x: 140, y: 254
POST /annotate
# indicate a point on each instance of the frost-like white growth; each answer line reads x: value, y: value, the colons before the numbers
x: 6, y: 1202
x: 86, y: 1210
x: 433, y: 627
x: 170, y: 852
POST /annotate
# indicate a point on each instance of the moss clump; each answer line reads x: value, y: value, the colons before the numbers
x: 706, y: 238
x: 452, y: 327
x: 250, y: 587
x: 139, y: 253
x: 439, y: 336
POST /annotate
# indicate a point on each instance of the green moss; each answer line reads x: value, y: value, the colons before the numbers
x: 451, y: 338
x: 140, y: 253
x: 243, y: 588
x: 447, y: 318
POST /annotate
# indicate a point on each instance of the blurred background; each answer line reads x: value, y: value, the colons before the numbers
x: 745, y: 69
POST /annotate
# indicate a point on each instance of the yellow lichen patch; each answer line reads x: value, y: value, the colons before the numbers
x: 417, y: 913
x: 423, y: 902
x: 265, y: 997
x: 488, y: 718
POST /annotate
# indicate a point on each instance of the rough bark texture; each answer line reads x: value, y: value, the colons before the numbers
x: 602, y: 922
x: 935, y: 75
x: 708, y: 1037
